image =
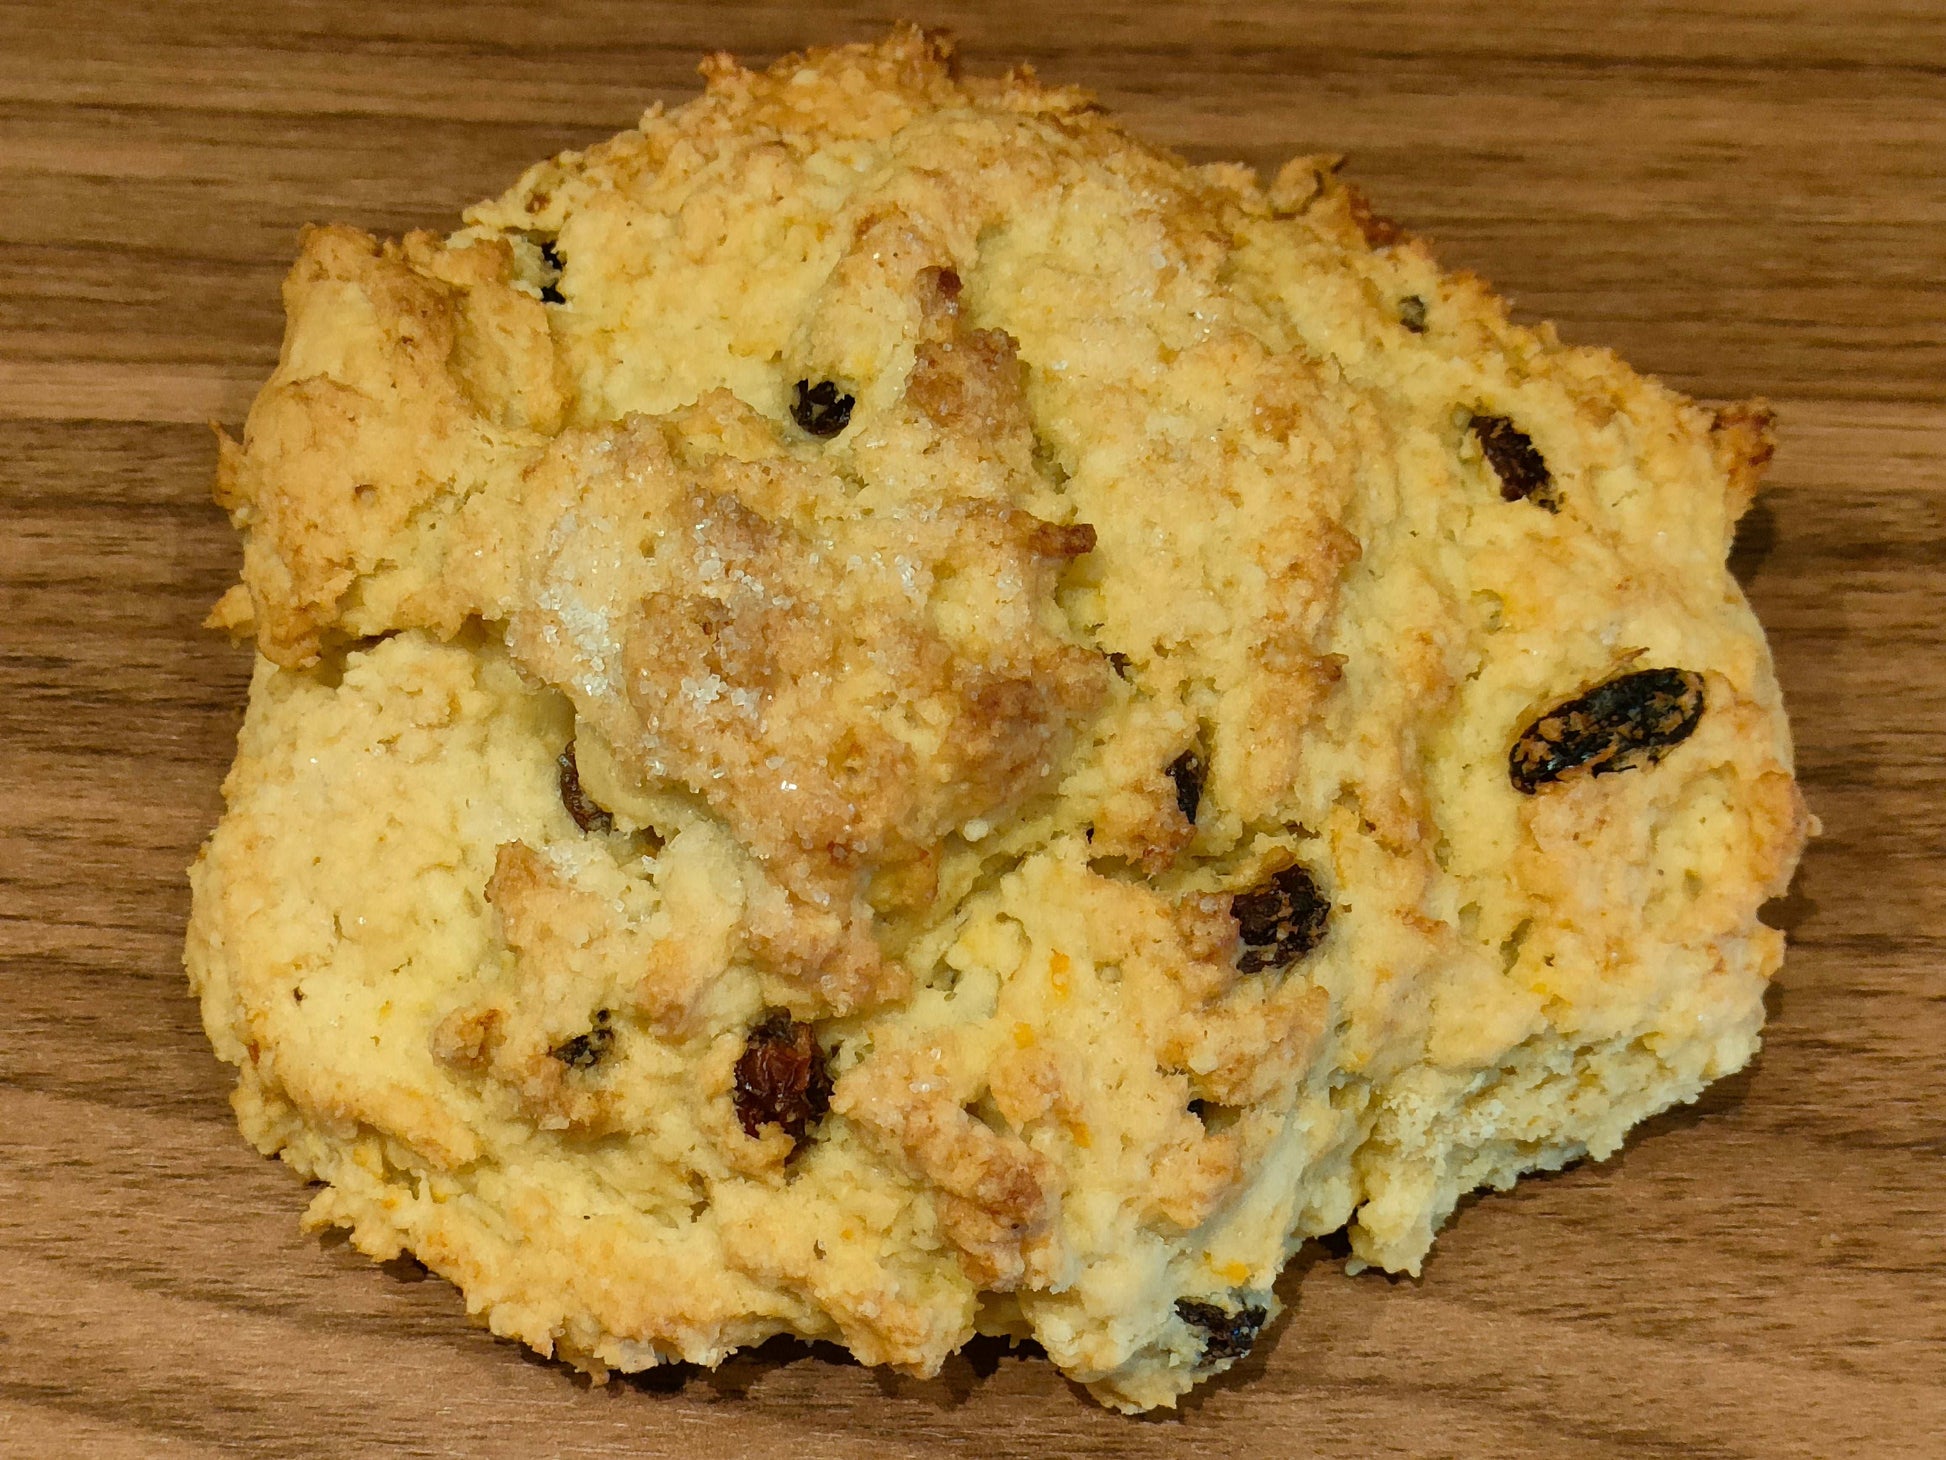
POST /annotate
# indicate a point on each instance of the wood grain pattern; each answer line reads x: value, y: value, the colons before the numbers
x: 1746, y: 196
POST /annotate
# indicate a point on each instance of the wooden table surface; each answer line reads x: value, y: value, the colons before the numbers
x: 1745, y: 196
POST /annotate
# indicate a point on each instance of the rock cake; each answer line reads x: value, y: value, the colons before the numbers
x: 885, y: 714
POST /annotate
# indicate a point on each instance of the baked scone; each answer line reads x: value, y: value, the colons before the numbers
x: 885, y: 714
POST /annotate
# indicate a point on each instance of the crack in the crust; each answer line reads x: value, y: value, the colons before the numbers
x: 328, y: 670
x: 337, y: 648
x: 992, y: 869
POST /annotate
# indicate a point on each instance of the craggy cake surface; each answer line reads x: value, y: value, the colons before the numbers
x: 884, y: 714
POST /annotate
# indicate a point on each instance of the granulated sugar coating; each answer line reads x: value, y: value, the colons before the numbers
x: 886, y: 714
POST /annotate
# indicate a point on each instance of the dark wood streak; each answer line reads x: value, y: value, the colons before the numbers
x: 1745, y: 195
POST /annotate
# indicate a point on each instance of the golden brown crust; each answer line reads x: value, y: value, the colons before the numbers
x: 843, y: 690
x: 1374, y: 227
x: 999, y: 1196
x: 414, y: 376
x: 1743, y: 438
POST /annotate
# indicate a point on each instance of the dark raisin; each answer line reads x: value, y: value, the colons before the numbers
x: 1227, y: 1334
x: 1632, y: 720
x: 1522, y: 470
x: 781, y: 1078
x: 1186, y: 770
x: 551, y: 256
x: 587, y: 815
x: 1280, y: 921
x: 1412, y: 313
x: 1119, y: 662
x: 1061, y: 540
x: 585, y: 1051
x: 822, y: 409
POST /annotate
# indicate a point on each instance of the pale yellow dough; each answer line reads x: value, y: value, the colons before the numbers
x: 1144, y: 459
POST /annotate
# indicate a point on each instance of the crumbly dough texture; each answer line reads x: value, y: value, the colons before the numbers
x: 1173, y: 540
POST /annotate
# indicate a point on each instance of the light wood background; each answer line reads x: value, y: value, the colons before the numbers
x: 1746, y: 197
